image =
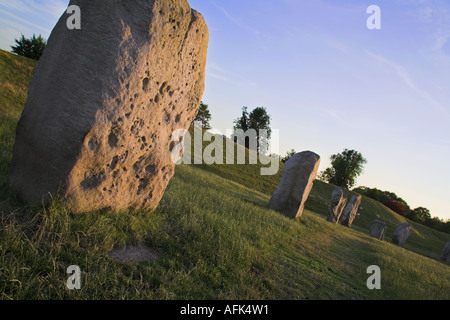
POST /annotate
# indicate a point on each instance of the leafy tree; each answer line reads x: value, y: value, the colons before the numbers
x: 203, y: 117
x: 258, y: 119
x: 345, y: 168
x: 289, y: 154
x: 31, y: 48
x: 275, y: 156
x: 243, y: 121
x: 397, y: 206
x: 395, y: 203
x: 434, y: 223
x: 389, y: 199
x: 445, y: 227
x: 420, y: 215
x: 325, y: 175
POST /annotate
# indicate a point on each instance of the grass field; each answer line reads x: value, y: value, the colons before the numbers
x: 213, y: 233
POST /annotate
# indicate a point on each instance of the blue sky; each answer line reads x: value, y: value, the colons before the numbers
x: 328, y: 81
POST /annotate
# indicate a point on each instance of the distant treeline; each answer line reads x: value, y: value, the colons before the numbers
x: 395, y: 203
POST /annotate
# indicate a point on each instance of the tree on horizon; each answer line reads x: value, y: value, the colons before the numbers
x: 257, y: 120
x: 288, y: 155
x: 32, y: 48
x: 345, y: 168
x: 203, y: 117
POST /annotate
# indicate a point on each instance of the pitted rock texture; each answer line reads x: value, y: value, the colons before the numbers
x: 104, y: 101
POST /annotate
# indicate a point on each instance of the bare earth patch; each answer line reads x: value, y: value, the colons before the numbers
x: 134, y: 254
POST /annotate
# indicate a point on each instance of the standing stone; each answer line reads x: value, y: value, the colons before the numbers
x: 104, y: 101
x: 401, y: 234
x: 446, y: 253
x: 297, y: 179
x: 377, y: 229
x: 351, y: 210
x: 336, y: 205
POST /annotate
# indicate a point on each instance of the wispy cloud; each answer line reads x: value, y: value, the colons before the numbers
x: 434, y: 13
x: 51, y: 8
x: 16, y: 21
x: 331, y: 113
x: 28, y: 17
x: 8, y: 34
x: 237, y: 21
x: 338, y: 45
x: 213, y: 70
x: 408, y: 80
x: 441, y: 21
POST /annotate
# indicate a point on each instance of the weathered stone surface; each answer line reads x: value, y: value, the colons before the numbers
x: 297, y: 179
x: 377, y: 229
x: 351, y: 210
x: 401, y: 234
x: 104, y: 101
x: 446, y: 253
x: 336, y: 205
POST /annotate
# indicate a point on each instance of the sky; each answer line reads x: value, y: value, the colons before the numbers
x: 328, y: 82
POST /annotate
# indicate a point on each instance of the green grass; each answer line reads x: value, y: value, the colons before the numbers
x: 216, y: 239
x: 423, y: 240
x: 15, y: 74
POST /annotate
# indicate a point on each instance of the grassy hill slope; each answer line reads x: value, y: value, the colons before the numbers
x: 214, y: 236
x: 15, y: 74
x: 423, y: 240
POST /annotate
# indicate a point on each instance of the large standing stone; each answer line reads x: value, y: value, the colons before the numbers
x: 104, y: 101
x: 377, y: 229
x: 351, y: 210
x: 446, y: 253
x: 401, y: 234
x: 336, y: 205
x: 297, y: 179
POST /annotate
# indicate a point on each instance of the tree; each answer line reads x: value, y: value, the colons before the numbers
x: 31, y: 48
x: 275, y: 156
x: 257, y: 120
x: 288, y: 155
x: 445, y: 227
x: 242, y: 123
x: 434, y: 223
x: 203, y: 117
x: 389, y: 199
x: 345, y: 168
x: 421, y: 215
x: 326, y: 175
x: 395, y: 203
x: 397, y: 206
